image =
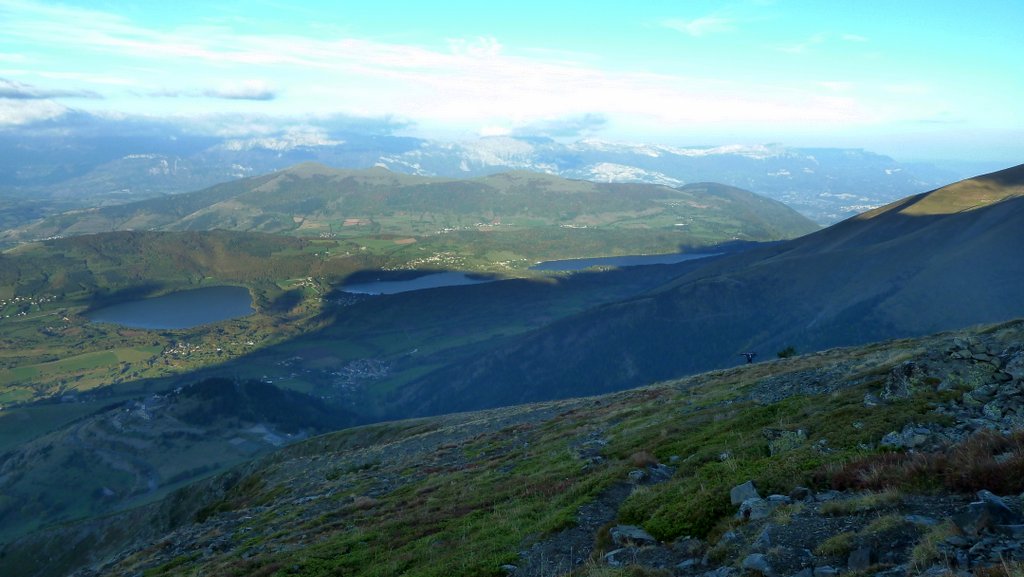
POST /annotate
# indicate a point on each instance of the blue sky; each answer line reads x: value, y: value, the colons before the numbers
x: 916, y: 80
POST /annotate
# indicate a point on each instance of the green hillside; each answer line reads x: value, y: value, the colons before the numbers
x: 316, y: 201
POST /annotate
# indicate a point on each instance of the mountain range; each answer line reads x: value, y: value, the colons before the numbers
x: 314, y: 200
x: 45, y: 173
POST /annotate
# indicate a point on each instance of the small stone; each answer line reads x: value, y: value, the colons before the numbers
x: 509, y: 569
x: 611, y: 558
x: 636, y: 476
x: 686, y: 564
x: 825, y: 571
x: 805, y: 572
x: 741, y: 493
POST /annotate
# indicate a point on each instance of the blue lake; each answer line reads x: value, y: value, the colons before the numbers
x: 443, y: 279
x: 616, y: 261
x: 179, y: 310
x: 427, y: 281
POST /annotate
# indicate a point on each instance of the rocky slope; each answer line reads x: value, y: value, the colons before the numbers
x: 894, y: 458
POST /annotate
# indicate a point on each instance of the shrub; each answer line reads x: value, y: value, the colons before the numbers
x: 787, y: 352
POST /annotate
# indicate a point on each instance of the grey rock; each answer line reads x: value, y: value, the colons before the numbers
x: 637, y: 476
x: 1015, y: 532
x: 805, y: 572
x: 778, y: 500
x: 903, y: 381
x: 660, y: 472
x: 509, y: 569
x: 754, y: 508
x: 741, y: 493
x: 688, y: 546
x: 763, y: 542
x: 688, y: 564
x: 984, y: 514
x: 825, y: 571
x: 720, y: 572
x: 957, y: 541
x: 758, y: 563
x: 1015, y: 365
x: 730, y: 537
x: 859, y: 559
x: 612, y: 557
x: 801, y: 494
x: 921, y: 520
x: 992, y: 411
x: 627, y: 535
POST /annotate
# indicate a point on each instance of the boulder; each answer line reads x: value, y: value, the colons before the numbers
x: 741, y: 493
x: 860, y: 559
x: 903, y: 381
x: 1015, y: 365
x: 758, y: 563
x: 631, y: 535
x: 990, y: 510
x: 755, y: 508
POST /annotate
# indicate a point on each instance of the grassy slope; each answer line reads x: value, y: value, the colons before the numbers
x: 462, y: 494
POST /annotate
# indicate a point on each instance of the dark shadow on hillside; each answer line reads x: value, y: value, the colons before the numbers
x: 104, y: 298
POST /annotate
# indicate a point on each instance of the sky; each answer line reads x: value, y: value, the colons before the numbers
x: 918, y: 80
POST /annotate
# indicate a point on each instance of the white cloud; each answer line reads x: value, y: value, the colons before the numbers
x: 467, y: 83
x: 20, y: 112
x: 494, y: 130
x: 701, y: 26
x: 480, y: 47
x: 245, y: 90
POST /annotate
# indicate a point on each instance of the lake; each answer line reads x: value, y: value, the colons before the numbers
x: 179, y: 310
x: 616, y: 261
x: 443, y: 279
x: 427, y: 281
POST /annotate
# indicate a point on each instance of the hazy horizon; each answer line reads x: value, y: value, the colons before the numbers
x: 915, y: 81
